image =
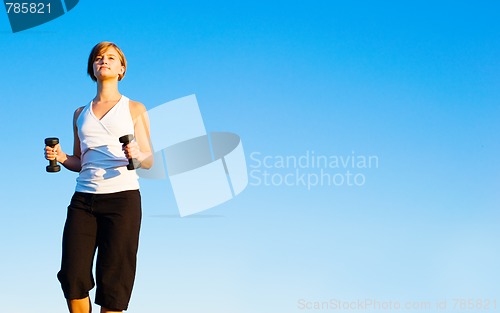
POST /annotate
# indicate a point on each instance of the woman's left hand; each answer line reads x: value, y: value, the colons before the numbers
x: 132, y: 151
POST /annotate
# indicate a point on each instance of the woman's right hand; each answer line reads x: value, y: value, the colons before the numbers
x: 54, y: 153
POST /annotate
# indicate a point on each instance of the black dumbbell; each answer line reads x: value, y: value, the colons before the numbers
x: 132, y: 163
x: 53, y: 166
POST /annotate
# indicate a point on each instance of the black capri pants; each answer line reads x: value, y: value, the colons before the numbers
x: 109, y: 223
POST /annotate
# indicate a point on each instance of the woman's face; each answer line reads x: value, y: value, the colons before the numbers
x: 108, y: 65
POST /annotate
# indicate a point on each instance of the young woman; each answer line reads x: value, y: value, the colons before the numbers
x: 105, y: 211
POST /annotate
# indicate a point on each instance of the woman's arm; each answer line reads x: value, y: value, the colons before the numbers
x: 140, y: 149
x: 71, y: 162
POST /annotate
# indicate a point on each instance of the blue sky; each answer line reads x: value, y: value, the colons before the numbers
x: 414, y: 84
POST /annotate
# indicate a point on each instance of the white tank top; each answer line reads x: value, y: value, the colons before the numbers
x: 104, y: 165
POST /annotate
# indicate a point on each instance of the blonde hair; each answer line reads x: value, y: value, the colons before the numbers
x: 99, y: 49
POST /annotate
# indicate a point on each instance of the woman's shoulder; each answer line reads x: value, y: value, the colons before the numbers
x: 136, y: 108
x: 78, y: 111
x: 136, y: 105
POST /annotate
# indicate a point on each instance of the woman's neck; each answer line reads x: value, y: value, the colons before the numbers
x: 107, y: 91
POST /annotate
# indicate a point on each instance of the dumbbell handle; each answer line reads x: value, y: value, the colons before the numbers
x: 53, y: 167
x: 132, y: 163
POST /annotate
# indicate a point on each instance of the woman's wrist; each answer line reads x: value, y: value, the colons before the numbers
x: 62, y: 159
x: 144, y: 159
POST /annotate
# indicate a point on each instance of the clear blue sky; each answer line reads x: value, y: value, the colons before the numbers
x: 414, y: 84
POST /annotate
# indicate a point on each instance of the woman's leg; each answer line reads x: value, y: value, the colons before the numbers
x: 119, y: 220
x: 80, y: 305
x: 79, y: 245
x: 104, y: 310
